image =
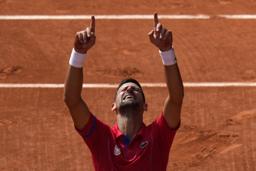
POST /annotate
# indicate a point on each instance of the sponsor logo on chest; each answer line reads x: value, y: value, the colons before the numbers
x: 142, y: 145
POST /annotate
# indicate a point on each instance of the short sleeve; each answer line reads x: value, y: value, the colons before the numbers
x: 95, y: 133
x: 163, y: 132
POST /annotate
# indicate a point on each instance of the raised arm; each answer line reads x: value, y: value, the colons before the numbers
x: 162, y: 38
x: 79, y: 111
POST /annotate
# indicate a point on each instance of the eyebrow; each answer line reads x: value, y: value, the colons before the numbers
x: 133, y: 86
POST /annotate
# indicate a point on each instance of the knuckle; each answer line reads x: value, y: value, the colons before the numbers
x: 77, y: 34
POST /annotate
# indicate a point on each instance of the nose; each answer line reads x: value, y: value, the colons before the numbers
x: 129, y: 89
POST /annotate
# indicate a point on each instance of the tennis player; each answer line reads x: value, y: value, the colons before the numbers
x: 129, y: 145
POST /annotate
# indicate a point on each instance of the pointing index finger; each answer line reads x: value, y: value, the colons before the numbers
x: 155, y: 19
x: 92, y: 24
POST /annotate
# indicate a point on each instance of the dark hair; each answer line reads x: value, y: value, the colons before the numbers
x: 131, y: 80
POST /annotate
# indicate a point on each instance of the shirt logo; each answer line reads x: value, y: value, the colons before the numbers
x: 117, y: 151
x: 143, y: 144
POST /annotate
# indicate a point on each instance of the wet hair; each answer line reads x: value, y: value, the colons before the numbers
x: 131, y: 80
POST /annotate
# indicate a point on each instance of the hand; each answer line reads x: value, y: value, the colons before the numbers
x: 160, y: 36
x: 85, y: 39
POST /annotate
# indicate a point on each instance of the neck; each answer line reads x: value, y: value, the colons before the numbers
x: 129, y: 123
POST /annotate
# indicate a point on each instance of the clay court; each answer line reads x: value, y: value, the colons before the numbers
x: 218, y: 122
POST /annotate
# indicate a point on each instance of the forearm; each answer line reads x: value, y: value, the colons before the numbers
x: 73, y: 85
x: 74, y: 81
x: 173, y: 102
x: 172, y: 75
x: 174, y: 83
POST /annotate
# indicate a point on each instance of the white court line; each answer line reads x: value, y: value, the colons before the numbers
x: 151, y: 85
x: 125, y: 17
x: 99, y: 17
x: 240, y: 17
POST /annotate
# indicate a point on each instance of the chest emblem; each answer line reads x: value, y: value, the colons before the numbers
x: 143, y: 144
x: 117, y: 151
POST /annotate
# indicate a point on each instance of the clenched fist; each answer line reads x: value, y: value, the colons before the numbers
x: 85, y: 39
x: 160, y: 36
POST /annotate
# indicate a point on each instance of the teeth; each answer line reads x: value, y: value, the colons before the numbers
x: 127, y: 96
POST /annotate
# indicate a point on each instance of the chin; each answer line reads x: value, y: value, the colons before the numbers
x: 129, y: 106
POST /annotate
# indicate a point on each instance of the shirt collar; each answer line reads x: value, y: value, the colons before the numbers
x: 118, y: 133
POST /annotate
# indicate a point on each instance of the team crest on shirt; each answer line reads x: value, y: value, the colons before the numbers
x: 117, y: 151
x: 143, y: 144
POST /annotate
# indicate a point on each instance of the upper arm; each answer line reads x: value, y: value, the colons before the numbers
x: 72, y: 97
x: 172, y: 111
x: 80, y: 113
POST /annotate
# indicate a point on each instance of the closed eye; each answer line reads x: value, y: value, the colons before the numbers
x: 132, y: 88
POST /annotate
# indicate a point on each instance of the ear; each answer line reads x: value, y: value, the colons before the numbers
x: 114, y: 108
x: 145, y: 107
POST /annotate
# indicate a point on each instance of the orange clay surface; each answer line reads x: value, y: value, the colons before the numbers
x: 218, y: 124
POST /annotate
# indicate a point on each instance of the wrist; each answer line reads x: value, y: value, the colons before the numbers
x: 77, y: 59
x: 165, y: 49
x: 168, y: 57
x: 80, y: 51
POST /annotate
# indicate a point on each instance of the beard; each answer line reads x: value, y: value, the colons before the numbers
x: 129, y: 107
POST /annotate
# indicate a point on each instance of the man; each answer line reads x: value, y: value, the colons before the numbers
x: 129, y: 144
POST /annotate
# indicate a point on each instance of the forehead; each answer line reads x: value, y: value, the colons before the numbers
x: 127, y: 85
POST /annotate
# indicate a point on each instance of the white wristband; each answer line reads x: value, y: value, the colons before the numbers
x: 168, y: 57
x: 77, y: 59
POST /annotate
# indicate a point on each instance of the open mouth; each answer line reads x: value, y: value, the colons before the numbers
x: 128, y: 96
